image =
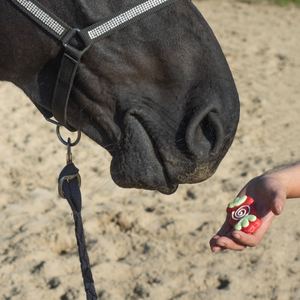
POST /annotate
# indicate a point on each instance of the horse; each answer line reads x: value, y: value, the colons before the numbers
x: 157, y: 94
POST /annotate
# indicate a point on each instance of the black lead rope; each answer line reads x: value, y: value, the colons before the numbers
x: 71, y: 191
x: 69, y: 182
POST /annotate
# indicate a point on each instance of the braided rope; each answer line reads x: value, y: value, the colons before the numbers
x: 72, y: 194
x: 84, y: 259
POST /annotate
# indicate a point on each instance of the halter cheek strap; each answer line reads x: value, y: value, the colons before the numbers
x: 63, y: 32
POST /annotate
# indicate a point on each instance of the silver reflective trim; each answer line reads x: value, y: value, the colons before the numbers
x: 124, y: 17
x: 42, y: 16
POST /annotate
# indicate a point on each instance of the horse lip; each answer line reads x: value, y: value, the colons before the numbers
x: 173, y: 186
x: 150, y: 171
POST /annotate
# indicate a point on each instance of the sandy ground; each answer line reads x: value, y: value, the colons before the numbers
x: 144, y: 245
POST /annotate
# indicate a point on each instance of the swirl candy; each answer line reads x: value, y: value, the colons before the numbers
x: 243, y: 215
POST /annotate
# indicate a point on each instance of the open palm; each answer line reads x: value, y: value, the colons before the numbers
x: 269, y: 195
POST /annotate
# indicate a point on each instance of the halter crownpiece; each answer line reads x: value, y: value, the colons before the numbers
x: 63, y: 32
x: 57, y: 27
x: 42, y: 16
x: 127, y: 17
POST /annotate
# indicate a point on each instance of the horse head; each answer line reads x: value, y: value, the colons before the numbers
x: 157, y: 94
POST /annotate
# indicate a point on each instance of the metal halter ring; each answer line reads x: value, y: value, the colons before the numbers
x: 67, y: 143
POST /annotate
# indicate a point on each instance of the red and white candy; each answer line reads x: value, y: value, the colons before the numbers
x: 243, y: 215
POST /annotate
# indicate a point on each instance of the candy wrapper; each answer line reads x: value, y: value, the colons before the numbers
x: 243, y: 215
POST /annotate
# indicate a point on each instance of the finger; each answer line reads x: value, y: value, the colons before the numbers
x: 214, y: 247
x: 252, y: 240
x: 223, y: 242
x: 278, y: 202
x: 225, y: 229
x: 230, y: 243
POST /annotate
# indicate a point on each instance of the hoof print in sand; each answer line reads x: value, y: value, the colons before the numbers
x: 243, y: 215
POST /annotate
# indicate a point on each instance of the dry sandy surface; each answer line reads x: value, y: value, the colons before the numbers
x: 144, y: 245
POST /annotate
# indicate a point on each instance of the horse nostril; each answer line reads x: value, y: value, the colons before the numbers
x: 204, y: 135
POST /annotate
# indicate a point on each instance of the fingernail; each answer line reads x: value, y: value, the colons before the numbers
x: 236, y: 236
x: 221, y: 244
x: 218, y: 250
x: 279, y: 208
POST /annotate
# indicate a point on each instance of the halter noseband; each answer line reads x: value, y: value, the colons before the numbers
x: 63, y: 32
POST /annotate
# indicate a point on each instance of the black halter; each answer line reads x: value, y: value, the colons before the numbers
x: 63, y: 32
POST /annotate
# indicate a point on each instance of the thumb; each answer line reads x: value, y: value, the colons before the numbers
x: 278, y: 202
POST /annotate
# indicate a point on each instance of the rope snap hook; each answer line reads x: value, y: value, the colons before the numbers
x: 69, y: 153
x: 69, y: 144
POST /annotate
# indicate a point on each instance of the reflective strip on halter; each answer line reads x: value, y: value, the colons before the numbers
x: 124, y: 17
x: 42, y: 16
x: 101, y: 29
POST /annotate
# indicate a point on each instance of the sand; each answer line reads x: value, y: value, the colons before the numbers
x: 144, y: 245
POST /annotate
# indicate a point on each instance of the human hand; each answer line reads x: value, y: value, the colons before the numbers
x: 269, y: 195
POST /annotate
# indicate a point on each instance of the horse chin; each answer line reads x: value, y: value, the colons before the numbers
x: 138, y: 165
